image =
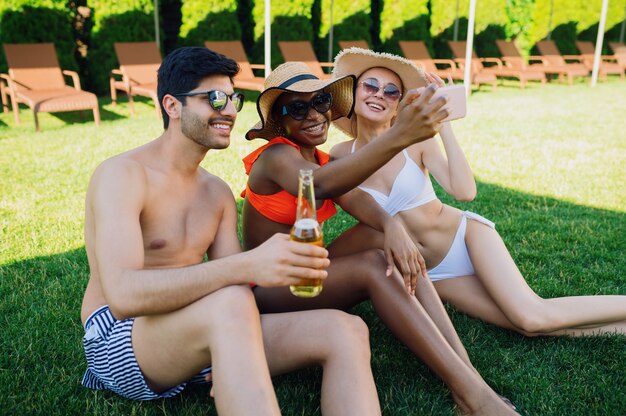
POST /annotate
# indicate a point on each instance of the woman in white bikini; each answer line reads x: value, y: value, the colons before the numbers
x: 466, y: 259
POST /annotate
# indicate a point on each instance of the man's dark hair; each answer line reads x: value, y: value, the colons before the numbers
x: 184, y: 68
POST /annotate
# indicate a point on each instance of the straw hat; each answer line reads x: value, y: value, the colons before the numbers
x: 355, y: 61
x: 297, y: 77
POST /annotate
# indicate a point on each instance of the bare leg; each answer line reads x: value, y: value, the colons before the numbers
x: 222, y: 328
x: 427, y: 296
x: 519, y: 304
x: 337, y: 341
x: 352, y: 279
x: 359, y: 238
x: 469, y: 295
x: 362, y: 237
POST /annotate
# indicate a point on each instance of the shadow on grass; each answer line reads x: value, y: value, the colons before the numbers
x: 562, y: 248
x: 85, y: 116
x: 122, y: 109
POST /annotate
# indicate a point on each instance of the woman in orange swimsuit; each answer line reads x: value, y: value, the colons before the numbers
x: 296, y: 110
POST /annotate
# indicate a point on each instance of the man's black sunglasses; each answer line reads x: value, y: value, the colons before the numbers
x: 218, y: 99
x: 298, y: 110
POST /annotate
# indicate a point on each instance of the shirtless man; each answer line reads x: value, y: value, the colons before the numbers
x: 156, y: 315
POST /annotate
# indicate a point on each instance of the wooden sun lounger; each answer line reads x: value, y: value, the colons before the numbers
x: 36, y: 79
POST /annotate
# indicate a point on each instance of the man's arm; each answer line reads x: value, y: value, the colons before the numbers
x: 116, y: 197
x: 226, y: 242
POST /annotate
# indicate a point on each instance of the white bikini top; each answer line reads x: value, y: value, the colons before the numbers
x: 410, y: 189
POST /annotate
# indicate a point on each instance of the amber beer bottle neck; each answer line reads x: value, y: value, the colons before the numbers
x: 306, y: 196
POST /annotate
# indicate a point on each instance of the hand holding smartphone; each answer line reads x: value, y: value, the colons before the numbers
x: 457, y: 104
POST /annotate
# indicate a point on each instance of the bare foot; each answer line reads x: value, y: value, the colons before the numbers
x: 488, y: 404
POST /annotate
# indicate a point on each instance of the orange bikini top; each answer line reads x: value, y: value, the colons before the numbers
x: 281, y: 206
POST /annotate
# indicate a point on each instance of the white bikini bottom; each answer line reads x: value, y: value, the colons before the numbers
x: 457, y: 262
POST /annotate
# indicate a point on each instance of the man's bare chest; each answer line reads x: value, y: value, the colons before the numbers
x: 178, y: 228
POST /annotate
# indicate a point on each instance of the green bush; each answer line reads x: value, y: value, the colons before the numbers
x: 571, y: 20
x: 490, y: 24
x: 119, y: 21
x: 381, y: 24
x: 290, y: 21
x: 16, y: 26
x: 520, y: 15
x: 246, y: 23
x: 170, y: 16
x: 209, y: 20
x: 404, y: 21
x: 351, y: 21
x: 442, y: 19
x: 612, y: 34
x: 19, y: 4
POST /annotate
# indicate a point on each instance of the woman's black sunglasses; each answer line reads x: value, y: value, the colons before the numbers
x: 390, y: 91
x: 218, y: 99
x: 298, y: 110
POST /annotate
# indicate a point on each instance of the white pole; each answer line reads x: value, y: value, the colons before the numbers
x: 156, y: 24
x: 330, y: 33
x: 598, y: 54
x: 268, y: 38
x: 467, y: 77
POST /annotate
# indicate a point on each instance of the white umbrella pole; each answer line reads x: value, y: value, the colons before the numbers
x: 268, y: 38
x: 598, y: 54
x: 156, y: 24
x: 330, y: 33
x: 467, y: 77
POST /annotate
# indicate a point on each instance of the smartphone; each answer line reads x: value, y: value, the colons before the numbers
x: 457, y: 104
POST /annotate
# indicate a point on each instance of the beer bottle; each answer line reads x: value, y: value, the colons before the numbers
x: 307, y: 230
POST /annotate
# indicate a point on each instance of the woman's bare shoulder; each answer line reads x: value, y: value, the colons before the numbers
x: 341, y: 149
x: 418, y: 150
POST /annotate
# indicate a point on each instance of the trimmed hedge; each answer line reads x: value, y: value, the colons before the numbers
x: 351, y: 21
x: 118, y: 21
x: 290, y: 21
x: 404, y: 21
x: 170, y: 16
x: 490, y: 23
x: 47, y: 4
x: 442, y: 19
x: 88, y: 47
x: 16, y: 26
x: 209, y: 20
x: 519, y: 14
x: 246, y: 22
x: 572, y: 20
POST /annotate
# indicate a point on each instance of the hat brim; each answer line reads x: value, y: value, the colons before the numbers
x: 341, y: 88
x: 355, y: 61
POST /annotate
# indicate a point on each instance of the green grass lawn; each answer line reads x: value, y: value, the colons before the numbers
x: 550, y: 165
